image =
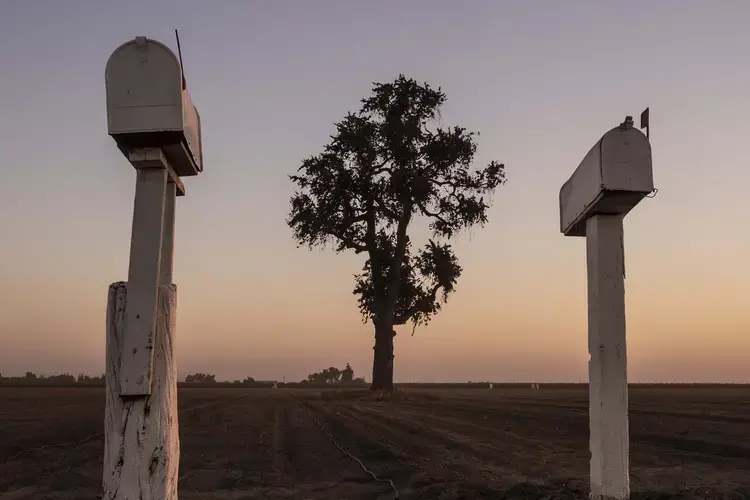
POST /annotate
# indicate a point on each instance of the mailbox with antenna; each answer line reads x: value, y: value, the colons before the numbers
x: 153, y: 121
x: 613, y: 177
x: 148, y: 104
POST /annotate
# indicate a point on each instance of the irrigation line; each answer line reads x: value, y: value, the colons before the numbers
x: 378, y: 435
x: 342, y: 450
x: 61, y: 445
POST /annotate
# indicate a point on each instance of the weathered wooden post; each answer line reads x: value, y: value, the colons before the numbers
x: 613, y: 177
x: 152, y: 119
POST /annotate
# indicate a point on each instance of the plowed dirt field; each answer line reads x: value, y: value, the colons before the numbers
x: 443, y: 444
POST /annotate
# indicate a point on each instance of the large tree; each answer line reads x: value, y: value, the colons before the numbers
x: 387, y: 164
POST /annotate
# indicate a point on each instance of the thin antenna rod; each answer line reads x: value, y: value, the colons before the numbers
x: 179, y: 54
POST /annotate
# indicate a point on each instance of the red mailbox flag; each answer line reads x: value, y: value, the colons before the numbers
x: 644, y: 121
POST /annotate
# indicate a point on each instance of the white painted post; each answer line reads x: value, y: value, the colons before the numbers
x: 608, y: 381
x: 613, y: 177
x: 143, y: 282
x: 142, y: 445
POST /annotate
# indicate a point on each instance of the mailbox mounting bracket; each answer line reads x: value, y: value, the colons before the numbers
x: 155, y: 158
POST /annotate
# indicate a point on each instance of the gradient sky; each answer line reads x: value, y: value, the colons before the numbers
x: 541, y: 81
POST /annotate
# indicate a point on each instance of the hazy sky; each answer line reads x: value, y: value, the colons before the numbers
x: 541, y: 81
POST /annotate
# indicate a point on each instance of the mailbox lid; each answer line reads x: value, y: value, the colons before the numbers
x: 582, y: 190
x: 143, y: 80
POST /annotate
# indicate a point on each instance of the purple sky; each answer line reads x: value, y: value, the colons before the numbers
x: 541, y: 81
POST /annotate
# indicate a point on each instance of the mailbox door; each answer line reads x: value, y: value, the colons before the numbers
x: 626, y: 161
x: 144, y: 92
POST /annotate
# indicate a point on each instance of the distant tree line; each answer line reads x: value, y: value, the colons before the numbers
x: 210, y: 379
x: 63, y: 379
x: 200, y: 378
x: 326, y: 378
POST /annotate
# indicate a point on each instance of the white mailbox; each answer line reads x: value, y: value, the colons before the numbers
x: 613, y: 177
x: 148, y: 104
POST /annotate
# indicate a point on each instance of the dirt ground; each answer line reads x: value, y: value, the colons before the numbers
x: 447, y: 444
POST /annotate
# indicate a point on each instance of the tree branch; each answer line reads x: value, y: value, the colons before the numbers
x: 350, y: 243
x: 387, y: 211
x: 394, y: 274
x: 404, y: 318
x: 381, y: 168
x: 435, y: 215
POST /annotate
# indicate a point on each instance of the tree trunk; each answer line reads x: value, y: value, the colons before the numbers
x: 382, y: 365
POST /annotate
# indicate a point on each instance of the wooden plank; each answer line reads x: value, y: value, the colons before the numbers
x: 167, y: 245
x: 143, y: 281
x: 155, y: 158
